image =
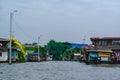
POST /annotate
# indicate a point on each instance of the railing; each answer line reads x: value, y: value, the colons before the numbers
x: 107, y: 47
x: 3, y: 49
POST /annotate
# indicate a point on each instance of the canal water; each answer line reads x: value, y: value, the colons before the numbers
x: 58, y: 70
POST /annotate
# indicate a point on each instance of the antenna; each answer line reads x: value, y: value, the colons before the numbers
x: 84, y: 38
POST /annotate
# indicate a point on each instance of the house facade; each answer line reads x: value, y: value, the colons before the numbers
x: 3, y: 49
x: 107, y: 43
x: 98, y: 56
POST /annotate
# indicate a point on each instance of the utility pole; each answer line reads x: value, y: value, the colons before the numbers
x: 38, y: 49
x: 11, y: 17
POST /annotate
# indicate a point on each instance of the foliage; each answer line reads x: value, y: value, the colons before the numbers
x: 41, y: 49
x: 57, y: 48
x: 21, y: 57
x: 69, y: 54
x: 77, y: 50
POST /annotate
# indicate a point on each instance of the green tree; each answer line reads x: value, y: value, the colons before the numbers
x: 69, y: 53
x: 57, y: 49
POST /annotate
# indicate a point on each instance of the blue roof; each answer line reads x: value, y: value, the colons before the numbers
x: 79, y: 45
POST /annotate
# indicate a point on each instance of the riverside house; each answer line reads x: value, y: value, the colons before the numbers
x: 107, y: 43
x: 3, y: 49
x: 32, y: 55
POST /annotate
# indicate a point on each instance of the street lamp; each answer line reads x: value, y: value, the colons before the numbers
x: 11, y: 17
x: 38, y: 48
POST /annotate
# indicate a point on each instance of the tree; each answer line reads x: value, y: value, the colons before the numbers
x: 69, y: 53
x: 57, y: 48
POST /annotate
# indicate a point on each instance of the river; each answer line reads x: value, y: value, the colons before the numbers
x: 58, y: 70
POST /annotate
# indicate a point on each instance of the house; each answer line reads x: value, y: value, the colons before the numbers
x: 76, y: 56
x: 28, y: 55
x: 32, y: 55
x: 107, y: 43
x: 49, y: 57
x: 35, y: 56
x: 3, y: 49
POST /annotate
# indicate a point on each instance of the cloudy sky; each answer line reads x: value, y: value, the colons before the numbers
x: 60, y: 20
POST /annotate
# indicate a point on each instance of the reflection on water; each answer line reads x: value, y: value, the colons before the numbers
x: 106, y: 65
x: 59, y: 70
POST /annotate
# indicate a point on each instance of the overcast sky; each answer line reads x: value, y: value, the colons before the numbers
x: 60, y: 20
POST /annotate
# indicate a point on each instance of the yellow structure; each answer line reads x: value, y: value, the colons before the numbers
x: 19, y: 45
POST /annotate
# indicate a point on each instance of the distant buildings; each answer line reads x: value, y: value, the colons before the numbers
x: 16, y: 53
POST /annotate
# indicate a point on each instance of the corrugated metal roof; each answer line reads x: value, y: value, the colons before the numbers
x: 30, y: 51
x: 3, y: 39
x: 78, y: 45
x: 110, y: 38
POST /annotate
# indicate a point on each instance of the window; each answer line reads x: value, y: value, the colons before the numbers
x: 116, y: 42
x: 0, y: 54
x: 113, y: 42
x: 103, y: 43
x: 100, y: 42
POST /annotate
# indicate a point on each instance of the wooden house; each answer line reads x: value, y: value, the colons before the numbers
x: 107, y: 43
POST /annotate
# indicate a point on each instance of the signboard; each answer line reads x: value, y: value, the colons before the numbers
x: 76, y: 54
x: 104, y: 58
x: 104, y: 54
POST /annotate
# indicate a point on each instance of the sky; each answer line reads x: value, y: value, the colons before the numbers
x: 73, y: 21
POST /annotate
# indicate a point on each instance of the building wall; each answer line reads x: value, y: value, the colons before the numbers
x: 4, y: 56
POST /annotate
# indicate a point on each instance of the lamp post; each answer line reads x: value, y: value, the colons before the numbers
x: 38, y: 48
x: 11, y: 17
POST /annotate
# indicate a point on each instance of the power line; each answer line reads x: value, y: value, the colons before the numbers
x: 22, y: 30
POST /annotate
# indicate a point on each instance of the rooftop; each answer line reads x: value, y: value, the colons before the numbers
x: 79, y: 45
x: 107, y: 38
x: 3, y: 39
